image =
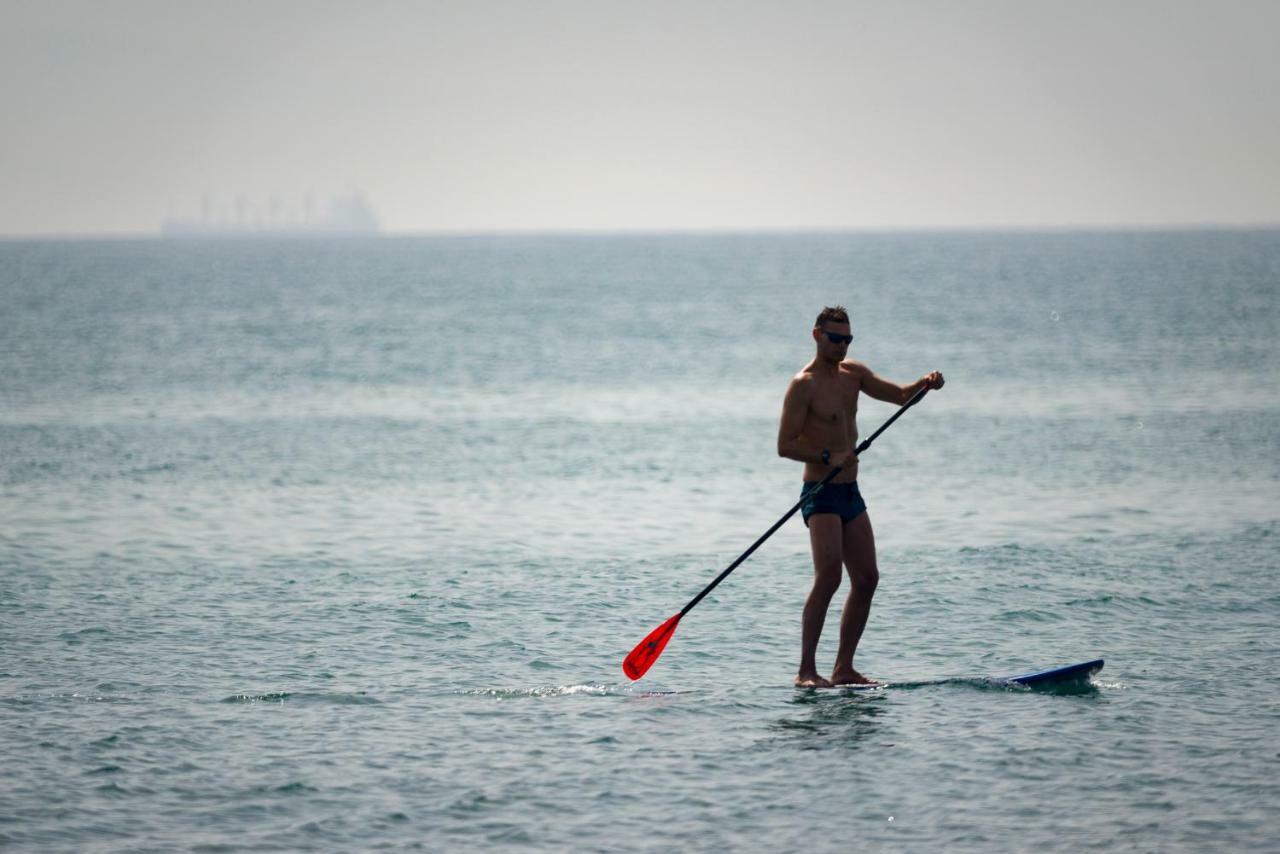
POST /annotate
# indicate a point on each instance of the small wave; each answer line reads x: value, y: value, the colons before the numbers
x: 79, y: 635
x: 272, y: 697
x: 1032, y: 615
x: 296, y: 787
x: 24, y: 700
x: 151, y: 469
x: 359, y: 698
x: 543, y: 691
x: 586, y: 689
x: 112, y: 790
x: 1117, y: 600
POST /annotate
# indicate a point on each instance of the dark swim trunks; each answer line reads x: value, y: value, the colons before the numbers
x: 843, y: 499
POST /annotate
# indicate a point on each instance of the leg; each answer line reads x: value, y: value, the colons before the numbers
x: 825, y: 540
x: 859, y: 547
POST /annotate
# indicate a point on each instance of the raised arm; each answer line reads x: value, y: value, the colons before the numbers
x: 890, y: 392
x: 794, y: 408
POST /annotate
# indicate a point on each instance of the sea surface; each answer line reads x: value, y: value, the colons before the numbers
x: 339, y: 545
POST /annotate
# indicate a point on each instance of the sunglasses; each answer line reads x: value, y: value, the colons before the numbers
x: 837, y: 338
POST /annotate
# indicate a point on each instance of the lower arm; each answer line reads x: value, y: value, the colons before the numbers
x: 799, y: 452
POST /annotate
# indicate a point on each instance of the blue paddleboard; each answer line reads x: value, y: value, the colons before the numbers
x: 1070, y: 673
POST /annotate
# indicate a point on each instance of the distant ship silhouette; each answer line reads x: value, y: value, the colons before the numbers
x: 348, y: 214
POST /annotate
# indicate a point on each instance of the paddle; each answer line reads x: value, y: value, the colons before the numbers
x: 647, y: 651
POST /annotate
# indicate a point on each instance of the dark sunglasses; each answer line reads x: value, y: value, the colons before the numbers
x: 837, y: 338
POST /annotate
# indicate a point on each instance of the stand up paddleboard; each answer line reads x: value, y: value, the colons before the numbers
x: 1057, y: 676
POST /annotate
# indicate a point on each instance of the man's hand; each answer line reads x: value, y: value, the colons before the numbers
x: 933, y: 380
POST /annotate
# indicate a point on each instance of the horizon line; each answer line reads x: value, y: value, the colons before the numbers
x: 675, y: 231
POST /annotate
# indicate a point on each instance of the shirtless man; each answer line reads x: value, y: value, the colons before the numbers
x: 819, y: 429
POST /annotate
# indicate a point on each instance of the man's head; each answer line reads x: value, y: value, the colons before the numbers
x: 831, y: 332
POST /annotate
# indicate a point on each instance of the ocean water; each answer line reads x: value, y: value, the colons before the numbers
x: 339, y: 545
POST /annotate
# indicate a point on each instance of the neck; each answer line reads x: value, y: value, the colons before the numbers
x: 824, y: 364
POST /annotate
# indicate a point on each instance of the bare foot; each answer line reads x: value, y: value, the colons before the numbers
x: 851, y: 677
x: 811, y: 680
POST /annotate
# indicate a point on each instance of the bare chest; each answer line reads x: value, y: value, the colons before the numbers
x: 833, y: 405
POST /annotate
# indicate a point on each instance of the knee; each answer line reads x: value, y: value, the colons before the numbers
x: 825, y: 584
x: 865, y: 580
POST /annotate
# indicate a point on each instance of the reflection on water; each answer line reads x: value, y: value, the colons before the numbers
x: 825, y: 720
x: 1082, y: 685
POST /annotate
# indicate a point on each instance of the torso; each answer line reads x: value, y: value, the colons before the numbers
x: 831, y: 421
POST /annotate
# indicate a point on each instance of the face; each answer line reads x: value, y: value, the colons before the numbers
x: 833, y: 350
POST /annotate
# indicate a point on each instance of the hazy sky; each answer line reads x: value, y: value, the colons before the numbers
x: 610, y: 115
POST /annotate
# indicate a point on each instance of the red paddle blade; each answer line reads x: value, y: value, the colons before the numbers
x: 648, y: 650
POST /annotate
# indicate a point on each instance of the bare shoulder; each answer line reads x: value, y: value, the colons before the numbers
x: 854, y: 369
x: 801, y: 383
x: 799, y: 390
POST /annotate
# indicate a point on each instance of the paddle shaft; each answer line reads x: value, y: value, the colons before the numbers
x: 778, y: 524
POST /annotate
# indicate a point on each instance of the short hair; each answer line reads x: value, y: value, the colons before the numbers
x: 835, y: 313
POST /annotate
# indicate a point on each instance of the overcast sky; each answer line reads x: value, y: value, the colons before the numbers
x: 610, y: 115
